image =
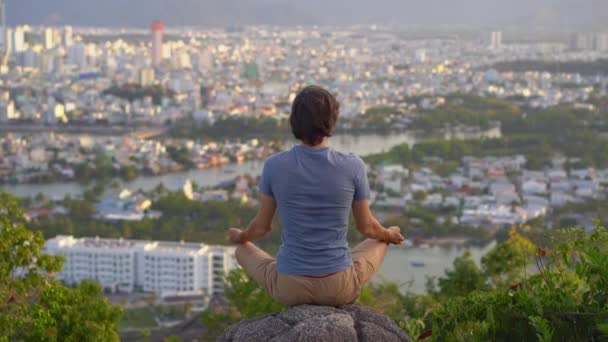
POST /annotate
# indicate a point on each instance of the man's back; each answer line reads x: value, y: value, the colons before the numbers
x: 314, y: 189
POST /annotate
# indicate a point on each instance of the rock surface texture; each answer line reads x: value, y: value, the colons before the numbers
x: 350, y: 323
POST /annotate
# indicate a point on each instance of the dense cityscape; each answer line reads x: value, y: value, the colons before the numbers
x: 482, y: 137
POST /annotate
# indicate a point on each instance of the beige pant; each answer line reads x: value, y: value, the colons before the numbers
x: 335, y: 290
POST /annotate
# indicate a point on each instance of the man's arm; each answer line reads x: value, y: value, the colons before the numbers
x: 259, y: 226
x: 369, y: 226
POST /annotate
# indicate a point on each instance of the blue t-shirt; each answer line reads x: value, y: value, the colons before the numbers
x: 314, y: 189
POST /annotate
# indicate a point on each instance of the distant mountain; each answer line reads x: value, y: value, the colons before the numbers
x: 565, y: 14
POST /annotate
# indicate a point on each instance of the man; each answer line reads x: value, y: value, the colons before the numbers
x: 314, y: 188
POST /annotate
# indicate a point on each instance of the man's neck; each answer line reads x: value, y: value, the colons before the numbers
x: 324, y: 143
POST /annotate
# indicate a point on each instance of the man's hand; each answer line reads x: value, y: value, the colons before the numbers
x: 235, y: 235
x: 394, y: 235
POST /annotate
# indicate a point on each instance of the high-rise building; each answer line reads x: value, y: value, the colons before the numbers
x: 18, y: 39
x: 146, y: 77
x: 3, y: 40
x: 77, y: 55
x: 66, y: 38
x: 7, y: 111
x: 581, y: 41
x: 421, y: 55
x: 8, y: 41
x: 49, y: 38
x: 496, y: 40
x: 157, y: 29
x: 601, y: 42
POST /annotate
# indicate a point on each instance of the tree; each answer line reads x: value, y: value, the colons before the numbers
x: 564, y: 299
x: 463, y: 279
x: 506, y: 263
x: 35, y: 306
x: 245, y: 299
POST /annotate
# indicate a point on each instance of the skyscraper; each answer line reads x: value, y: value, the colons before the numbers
x: 157, y: 42
x: 8, y: 41
x: 49, y: 38
x: 67, y: 39
x: 3, y: 40
x: 77, y: 55
x: 496, y: 40
x: 601, y: 42
x: 18, y: 39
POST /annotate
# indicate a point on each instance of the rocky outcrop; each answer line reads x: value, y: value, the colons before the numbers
x: 305, y: 323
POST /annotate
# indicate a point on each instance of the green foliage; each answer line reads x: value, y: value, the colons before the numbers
x: 543, y: 332
x: 587, y: 68
x: 375, y: 118
x: 101, y: 168
x: 383, y: 297
x: 182, y: 219
x: 35, y: 306
x: 464, y: 278
x: 180, y: 156
x: 139, y: 318
x: 231, y: 126
x: 563, y: 299
x: 245, y: 300
x: 506, y: 263
x: 132, y: 92
x: 467, y: 110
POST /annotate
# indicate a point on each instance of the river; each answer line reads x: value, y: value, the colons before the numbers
x: 361, y: 145
x: 432, y: 262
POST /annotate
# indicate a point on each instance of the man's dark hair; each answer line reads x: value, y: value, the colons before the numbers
x: 314, y: 114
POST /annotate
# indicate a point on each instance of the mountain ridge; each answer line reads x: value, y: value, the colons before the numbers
x: 531, y: 14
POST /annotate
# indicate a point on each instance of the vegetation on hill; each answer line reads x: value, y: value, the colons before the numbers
x: 523, y: 291
x: 537, y: 135
x: 467, y: 110
x: 587, y: 68
x: 231, y: 126
x: 182, y: 219
x: 132, y: 92
x: 36, y: 307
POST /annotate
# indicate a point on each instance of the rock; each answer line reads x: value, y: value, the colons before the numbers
x: 350, y: 323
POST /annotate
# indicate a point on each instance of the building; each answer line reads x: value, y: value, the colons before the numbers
x: 3, y: 29
x: 49, y: 38
x: 146, y: 77
x: 149, y: 266
x: 495, y: 40
x: 7, y: 111
x: 8, y: 42
x: 581, y: 41
x: 77, y: 55
x: 157, y: 29
x: 421, y: 55
x: 67, y: 37
x: 18, y: 40
x: 601, y: 42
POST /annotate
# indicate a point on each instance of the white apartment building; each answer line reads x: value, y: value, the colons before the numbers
x: 148, y: 266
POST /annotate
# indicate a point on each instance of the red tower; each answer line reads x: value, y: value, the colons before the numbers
x: 157, y: 29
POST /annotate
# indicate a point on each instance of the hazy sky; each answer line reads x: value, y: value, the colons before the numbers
x: 568, y: 14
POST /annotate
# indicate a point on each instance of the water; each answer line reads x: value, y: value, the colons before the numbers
x: 397, y: 265
x: 361, y: 145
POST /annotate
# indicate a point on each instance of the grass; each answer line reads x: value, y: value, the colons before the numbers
x: 138, y: 318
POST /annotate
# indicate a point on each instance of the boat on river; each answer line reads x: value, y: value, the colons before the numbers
x: 417, y: 264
